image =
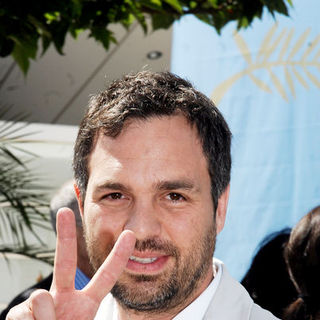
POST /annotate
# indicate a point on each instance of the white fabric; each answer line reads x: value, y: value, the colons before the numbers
x: 232, y: 301
x: 228, y: 300
x: 201, y: 304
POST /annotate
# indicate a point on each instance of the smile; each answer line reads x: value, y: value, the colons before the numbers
x: 142, y: 260
x: 147, y: 264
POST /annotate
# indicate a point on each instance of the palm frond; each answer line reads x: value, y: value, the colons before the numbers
x: 34, y: 252
x: 24, y: 204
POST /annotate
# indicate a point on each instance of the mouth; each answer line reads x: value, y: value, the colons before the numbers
x: 147, y: 263
x: 142, y: 260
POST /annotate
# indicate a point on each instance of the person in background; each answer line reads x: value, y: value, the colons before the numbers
x: 65, y: 197
x: 267, y: 280
x: 302, y: 256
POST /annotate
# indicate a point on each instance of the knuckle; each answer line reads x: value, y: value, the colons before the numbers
x: 20, y: 311
x: 38, y: 298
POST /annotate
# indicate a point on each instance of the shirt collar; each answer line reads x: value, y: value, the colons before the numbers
x: 200, y: 305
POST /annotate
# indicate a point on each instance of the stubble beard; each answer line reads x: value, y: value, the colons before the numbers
x: 169, y: 290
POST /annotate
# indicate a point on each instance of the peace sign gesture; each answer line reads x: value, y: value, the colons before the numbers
x: 63, y: 301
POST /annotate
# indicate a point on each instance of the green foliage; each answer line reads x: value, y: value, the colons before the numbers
x: 26, y: 24
x: 23, y: 202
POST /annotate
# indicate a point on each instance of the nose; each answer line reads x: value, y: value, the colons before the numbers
x: 143, y: 220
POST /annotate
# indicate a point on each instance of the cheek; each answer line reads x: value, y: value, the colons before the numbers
x: 184, y: 231
x: 191, y: 227
x: 102, y: 228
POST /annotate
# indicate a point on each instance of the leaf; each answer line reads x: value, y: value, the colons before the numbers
x: 314, y: 43
x: 45, y: 44
x: 25, y: 48
x: 128, y: 21
x: 12, y: 156
x: 21, y: 58
x: 22, y: 202
x: 276, y: 5
x: 243, y: 22
x: 162, y: 21
x: 243, y: 47
x: 262, y: 85
x: 41, y: 27
x: 299, y: 44
x: 278, y: 85
x: 175, y: 4
x: 76, y: 8
x: 313, y: 78
x: 75, y: 32
x: 152, y: 4
x: 266, y: 41
x: 299, y: 77
x: 286, y: 44
x: 61, y: 30
x: 214, y: 3
x: 32, y: 252
x: 289, y: 81
x: 138, y: 15
x: 102, y: 35
x: 6, y: 47
x: 52, y: 16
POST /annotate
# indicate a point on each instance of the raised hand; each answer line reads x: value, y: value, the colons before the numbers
x: 63, y: 301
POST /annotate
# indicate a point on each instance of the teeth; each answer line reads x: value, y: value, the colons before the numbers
x: 142, y: 260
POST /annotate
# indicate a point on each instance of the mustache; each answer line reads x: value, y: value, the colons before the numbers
x: 153, y: 244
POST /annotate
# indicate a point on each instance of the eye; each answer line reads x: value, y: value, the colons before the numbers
x: 114, y: 196
x: 173, y: 196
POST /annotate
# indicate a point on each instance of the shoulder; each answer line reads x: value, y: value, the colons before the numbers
x: 257, y: 313
x: 232, y: 301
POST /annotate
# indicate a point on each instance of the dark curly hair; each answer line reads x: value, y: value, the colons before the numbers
x: 147, y: 94
x: 268, y: 271
x: 302, y: 255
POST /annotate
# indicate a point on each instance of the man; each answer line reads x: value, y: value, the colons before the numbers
x: 152, y: 168
x: 65, y: 197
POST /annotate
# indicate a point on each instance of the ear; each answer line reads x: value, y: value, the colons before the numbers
x: 222, y: 209
x: 79, y: 199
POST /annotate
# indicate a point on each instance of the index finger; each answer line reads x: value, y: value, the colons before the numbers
x: 109, y: 272
x: 65, y: 262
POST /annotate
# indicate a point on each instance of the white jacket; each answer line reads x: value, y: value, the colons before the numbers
x: 231, y: 301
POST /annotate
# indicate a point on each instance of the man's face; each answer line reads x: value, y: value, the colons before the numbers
x: 153, y: 179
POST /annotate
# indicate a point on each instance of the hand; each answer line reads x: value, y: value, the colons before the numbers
x: 63, y: 301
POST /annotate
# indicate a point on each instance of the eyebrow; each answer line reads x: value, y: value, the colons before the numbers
x: 176, y: 185
x: 184, y: 184
x: 110, y: 185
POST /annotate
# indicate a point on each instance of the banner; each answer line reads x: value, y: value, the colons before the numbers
x: 265, y: 80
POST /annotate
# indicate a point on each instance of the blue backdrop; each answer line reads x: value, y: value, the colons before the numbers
x: 266, y: 81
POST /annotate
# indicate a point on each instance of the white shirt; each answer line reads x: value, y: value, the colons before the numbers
x: 198, y: 307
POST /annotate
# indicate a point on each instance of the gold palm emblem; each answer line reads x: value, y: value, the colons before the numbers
x: 273, y: 53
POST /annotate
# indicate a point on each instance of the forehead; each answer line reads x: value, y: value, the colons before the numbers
x: 160, y: 146
x: 140, y: 134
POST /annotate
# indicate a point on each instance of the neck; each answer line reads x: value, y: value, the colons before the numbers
x: 129, y: 314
